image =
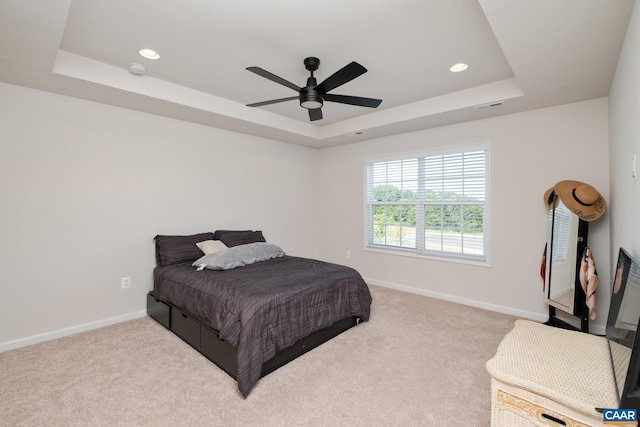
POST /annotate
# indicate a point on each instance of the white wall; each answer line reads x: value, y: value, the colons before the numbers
x: 84, y: 188
x: 624, y: 123
x: 530, y: 152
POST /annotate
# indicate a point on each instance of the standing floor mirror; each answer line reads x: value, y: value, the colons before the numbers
x: 566, y: 241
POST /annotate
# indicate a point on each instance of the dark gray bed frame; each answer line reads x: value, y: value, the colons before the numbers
x: 206, y: 340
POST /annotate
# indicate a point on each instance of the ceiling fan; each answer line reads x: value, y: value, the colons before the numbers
x: 313, y: 95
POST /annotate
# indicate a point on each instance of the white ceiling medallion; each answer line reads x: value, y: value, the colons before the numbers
x: 137, y: 69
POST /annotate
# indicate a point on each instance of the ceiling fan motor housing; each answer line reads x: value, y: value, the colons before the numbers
x: 310, y: 98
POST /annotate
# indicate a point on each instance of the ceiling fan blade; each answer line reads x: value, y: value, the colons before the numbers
x: 267, y: 75
x: 273, y: 101
x: 342, y: 76
x: 353, y: 100
x: 315, y: 114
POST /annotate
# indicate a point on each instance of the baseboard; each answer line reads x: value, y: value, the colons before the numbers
x: 35, y: 339
x: 595, y: 329
x: 538, y: 317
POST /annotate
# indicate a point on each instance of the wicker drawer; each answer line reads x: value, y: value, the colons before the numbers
x: 515, y: 407
x: 185, y: 327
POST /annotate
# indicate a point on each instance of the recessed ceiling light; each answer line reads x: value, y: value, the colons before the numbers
x: 149, y: 53
x: 458, y: 67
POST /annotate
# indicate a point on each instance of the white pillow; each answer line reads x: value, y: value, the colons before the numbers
x: 211, y: 246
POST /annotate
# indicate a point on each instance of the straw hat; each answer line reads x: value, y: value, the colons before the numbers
x: 581, y: 199
x: 550, y: 197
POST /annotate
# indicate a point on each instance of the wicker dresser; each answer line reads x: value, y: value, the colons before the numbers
x: 546, y: 376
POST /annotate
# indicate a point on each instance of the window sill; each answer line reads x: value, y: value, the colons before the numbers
x: 445, y: 258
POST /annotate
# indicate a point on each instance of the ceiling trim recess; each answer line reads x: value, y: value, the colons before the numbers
x: 79, y: 67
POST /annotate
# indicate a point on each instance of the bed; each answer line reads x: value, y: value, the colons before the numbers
x: 248, y: 306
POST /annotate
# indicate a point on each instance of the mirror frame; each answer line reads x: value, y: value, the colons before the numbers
x: 577, y: 305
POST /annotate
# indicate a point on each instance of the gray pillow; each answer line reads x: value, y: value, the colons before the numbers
x: 239, y: 256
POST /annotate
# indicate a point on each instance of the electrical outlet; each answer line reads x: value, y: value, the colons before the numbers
x: 125, y: 282
x: 348, y: 254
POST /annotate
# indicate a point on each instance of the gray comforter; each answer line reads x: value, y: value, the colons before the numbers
x: 266, y: 306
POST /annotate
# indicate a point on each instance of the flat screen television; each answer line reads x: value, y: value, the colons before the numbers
x: 622, y: 324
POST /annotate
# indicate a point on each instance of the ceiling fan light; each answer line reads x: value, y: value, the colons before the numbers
x: 311, y: 104
x: 310, y: 99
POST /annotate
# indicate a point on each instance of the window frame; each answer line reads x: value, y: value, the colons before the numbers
x: 484, y: 260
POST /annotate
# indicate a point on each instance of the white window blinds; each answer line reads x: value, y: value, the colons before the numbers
x: 429, y: 204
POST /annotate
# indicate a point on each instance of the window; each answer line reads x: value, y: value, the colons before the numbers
x: 430, y: 203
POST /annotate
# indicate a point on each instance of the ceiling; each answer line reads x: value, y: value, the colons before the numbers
x: 527, y: 53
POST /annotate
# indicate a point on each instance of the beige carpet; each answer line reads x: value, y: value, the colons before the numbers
x: 417, y: 362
